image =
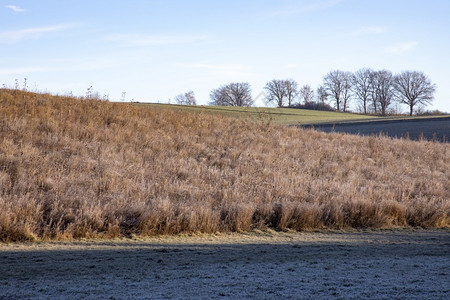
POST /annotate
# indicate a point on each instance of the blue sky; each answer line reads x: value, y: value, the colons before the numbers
x: 156, y: 49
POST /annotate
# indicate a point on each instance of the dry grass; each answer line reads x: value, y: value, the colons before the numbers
x: 73, y: 168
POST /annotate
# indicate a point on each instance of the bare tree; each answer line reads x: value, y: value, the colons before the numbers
x: 190, y: 97
x: 186, y: 98
x: 338, y: 85
x: 373, y: 95
x: 292, y: 91
x: 362, y: 84
x: 233, y: 94
x: 332, y: 82
x: 282, y: 92
x: 322, y: 95
x: 413, y: 88
x: 382, y: 89
x: 276, y: 92
x: 347, y: 87
x: 307, y: 94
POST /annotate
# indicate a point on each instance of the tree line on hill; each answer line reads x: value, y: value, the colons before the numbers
x: 374, y: 91
x: 377, y: 90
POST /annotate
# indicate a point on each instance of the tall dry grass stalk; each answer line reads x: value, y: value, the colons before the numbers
x: 73, y: 168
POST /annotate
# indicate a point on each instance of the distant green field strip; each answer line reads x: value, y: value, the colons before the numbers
x: 283, y: 116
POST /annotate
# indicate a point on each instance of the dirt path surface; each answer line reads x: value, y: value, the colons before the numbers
x: 404, y: 264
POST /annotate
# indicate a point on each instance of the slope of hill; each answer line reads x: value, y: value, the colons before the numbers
x: 73, y: 168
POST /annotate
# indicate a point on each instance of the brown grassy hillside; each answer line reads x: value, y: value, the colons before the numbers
x: 72, y: 168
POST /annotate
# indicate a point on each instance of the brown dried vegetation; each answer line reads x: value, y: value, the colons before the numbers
x: 74, y: 168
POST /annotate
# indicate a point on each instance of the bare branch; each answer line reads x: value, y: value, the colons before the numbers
x: 233, y: 94
x: 413, y: 88
x: 307, y: 94
x: 292, y: 92
x: 186, y: 98
x: 362, y: 84
x: 338, y: 85
x: 276, y: 92
x: 282, y: 92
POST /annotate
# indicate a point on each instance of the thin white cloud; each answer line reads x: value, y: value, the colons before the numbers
x: 400, y: 48
x: 72, y: 65
x: 15, y: 36
x: 23, y: 70
x: 306, y: 8
x: 219, y: 67
x: 369, y: 30
x: 92, y: 63
x: 15, y: 8
x: 153, y: 40
x: 58, y: 67
x: 236, y: 72
x: 290, y: 66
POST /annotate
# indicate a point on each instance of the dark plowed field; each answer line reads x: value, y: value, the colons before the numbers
x: 428, y: 128
x: 410, y: 264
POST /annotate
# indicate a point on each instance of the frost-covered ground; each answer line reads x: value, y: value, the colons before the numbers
x: 405, y: 264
